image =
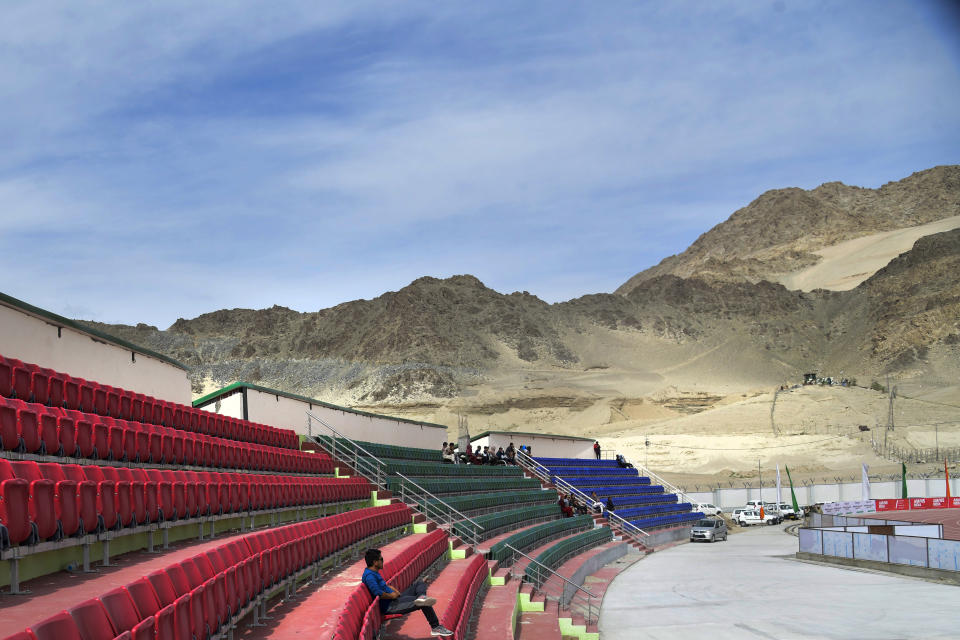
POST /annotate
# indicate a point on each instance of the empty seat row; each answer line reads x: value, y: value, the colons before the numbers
x: 488, y: 525
x: 361, y: 617
x: 572, y: 472
x: 652, y: 510
x: 194, y: 598
x: 428, y: 469
x: 441, y: 486
x: 32, y: 383
x: 604, y: 480
x: 534, y: 536
x: 576, y: 462
x: 391, y: 451
x: 483, y: 501
x: 662, y: 521
x: 456, y: 615
x: 588, y: 486
x: 557, y: 554
x: 44, y: 501
x: 35, y: 428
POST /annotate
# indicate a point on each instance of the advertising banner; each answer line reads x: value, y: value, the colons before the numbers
x: 848, y: 507
x: 898, y: 504
x: 921, y: 503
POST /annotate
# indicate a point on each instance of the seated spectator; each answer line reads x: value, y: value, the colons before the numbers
x: 448, y: 454
x: 393, y: 601
x: 597, y: 505
x: 565, y: 507
x: 622, y: 462
x: 609, y: 503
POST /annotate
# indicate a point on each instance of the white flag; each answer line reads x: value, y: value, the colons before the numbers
x: 865, y: 484
x: 779, y: 501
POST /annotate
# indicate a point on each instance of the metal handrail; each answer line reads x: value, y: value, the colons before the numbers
x: 440, y: 500
x: 377, y: 476
x: 673, y: 488
x: 544, y: 473
x: 533, y: 560
x: 565, y: 603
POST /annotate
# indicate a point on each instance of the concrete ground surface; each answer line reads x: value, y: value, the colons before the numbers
x: 751, y: 587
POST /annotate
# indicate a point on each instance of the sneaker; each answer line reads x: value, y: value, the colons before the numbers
x: 440, y: 630
x: 424, y: 601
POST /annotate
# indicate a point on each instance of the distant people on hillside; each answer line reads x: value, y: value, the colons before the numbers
x: 596, y: 449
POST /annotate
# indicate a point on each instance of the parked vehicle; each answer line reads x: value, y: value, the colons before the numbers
x: 787, y: 511
x: 709, y: 529
x: 707, y: 509
x: 747, y: 517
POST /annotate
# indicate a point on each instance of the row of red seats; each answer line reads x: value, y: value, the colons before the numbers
x: 35, y: 428
x: 193, y: 599
x: 42, y: 501
x: 361, y: 617
x: 32, y: 383
x: 456, y: 615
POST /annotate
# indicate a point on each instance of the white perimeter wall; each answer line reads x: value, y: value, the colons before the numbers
x: 731, y: 498
x: 33, y: 339
x: 289, y: 413
x: 543, y: 445
x: 231, y: 406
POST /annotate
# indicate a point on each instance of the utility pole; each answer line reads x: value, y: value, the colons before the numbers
x: 760, y: 476
x: 893, y: 394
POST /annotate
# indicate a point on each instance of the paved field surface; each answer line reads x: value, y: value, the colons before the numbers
x: 751, y: 587
x: 949, y: 518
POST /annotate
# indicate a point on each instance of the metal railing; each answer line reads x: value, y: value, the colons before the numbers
x: 376, y: 471
x: 534, y: 467
x: 663, y: 483
x: 436, y: 509
x: 543, y: 573
x: 346, y: 450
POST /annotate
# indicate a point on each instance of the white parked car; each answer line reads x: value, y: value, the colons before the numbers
x: 747, y: 517
x: 707, y: 509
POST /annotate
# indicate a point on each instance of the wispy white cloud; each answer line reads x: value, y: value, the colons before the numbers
x: 202, y: 156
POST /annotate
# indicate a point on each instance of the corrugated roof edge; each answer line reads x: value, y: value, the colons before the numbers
x: 236, y: 386
x: 20, y: 305
x: 528, y: 433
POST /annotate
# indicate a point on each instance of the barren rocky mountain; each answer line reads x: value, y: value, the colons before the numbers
x: 697, y: 335
x: 780, y: 231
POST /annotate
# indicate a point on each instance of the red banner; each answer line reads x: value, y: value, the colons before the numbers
x: 893, y: 505
x: 953, y: 502
x: 921, y: 503
x: 940, y: 503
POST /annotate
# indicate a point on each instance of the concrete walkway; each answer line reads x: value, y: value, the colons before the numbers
x: 751, y: 587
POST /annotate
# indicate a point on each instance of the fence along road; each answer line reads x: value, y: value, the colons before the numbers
x: 751, y: 587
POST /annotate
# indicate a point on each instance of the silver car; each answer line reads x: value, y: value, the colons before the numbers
x: 709, y: 529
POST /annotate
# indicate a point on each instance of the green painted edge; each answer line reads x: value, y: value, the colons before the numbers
x: 458, y: 554
x: 498, y: 581
x: 236, y: 387
x: 20, y: 305
x: 523, y: 602
x: 528, y: 433
x: 420, y: 527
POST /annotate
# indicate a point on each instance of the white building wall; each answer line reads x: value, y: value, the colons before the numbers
x: 731, y: 498
x: 231, y: 406
x: 290, y: 413
x: 37, y: 340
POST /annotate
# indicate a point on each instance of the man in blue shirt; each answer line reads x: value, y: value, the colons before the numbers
x: 395, y: 602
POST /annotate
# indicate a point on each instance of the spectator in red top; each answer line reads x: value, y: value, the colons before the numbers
x: 596, y: 449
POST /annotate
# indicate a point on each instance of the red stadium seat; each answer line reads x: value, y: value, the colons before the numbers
x: 6, y: 377
x: 42, y: 499
x: 106, y: 496
x: 145, y: 629
x: 120, y: 609
x: 92, y: 621
x: 58, y: 627
x: 144, y: 597
x: 86, y: 494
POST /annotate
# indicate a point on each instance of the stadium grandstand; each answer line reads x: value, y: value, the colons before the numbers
x: 128, y: 511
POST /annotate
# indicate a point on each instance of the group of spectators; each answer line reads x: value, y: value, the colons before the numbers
x: 487, y: 455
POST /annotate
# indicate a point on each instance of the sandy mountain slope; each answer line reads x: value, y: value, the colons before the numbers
x: 781, y: 231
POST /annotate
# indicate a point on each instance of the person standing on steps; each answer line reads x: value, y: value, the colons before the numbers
x: 596, y: 449
x: 397, y: 603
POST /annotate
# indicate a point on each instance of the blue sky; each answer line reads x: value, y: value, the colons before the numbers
x: 164, y: 161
